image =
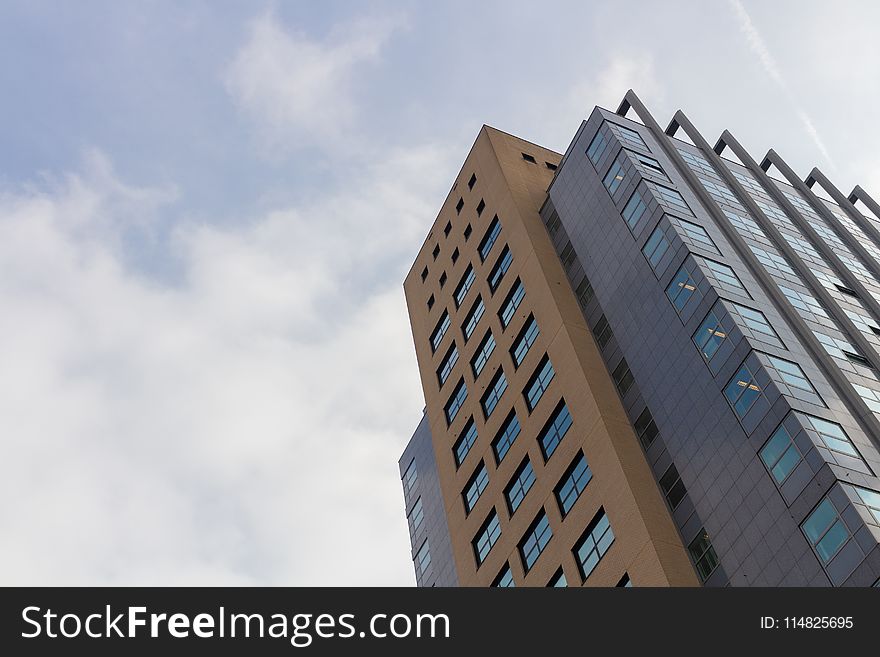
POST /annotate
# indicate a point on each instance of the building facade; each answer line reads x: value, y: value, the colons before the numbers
x: 671, y: 377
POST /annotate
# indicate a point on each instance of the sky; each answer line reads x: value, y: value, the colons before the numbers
x: 207, y: 210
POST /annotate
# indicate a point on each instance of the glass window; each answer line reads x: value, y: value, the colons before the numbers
x: 634, y: 210
x: 710, y: 334
x: 554, y: 431
x: 504, y: 578
x: 439, y: 331
x: 671, y: 198
x: 481, y: 357
x: 520, y: 485
x: 872, y: 501
x: 793, y: 376
x: 656, y: 246
x: 698, y: 236
x: 831, y: 433
x: 538, y: 383
x: 584, y: 293
x: 613, y: 178
x: 524, y: 341
x: 475, y: 487
x: 465, y: 441
x: 651, y: 164
x: 416, y: 517
x: 486, y: 538
x: 535, y: 540
x: 511, y: 303
x: 506, y: 436
x: 742, y: 391
x: 681, y: 288
x: 703, y: 555
x: 423, y: 559
x: 625, y: 582
x: 455, y: 401
x: 558, y: 580
x: 410, y: 477
x: 623, y: 378
x: 594, y: 543
x: 756, y: 323
x: 493, y: 394
x: 725, y: 277
x: 825, y: 530
x: 780, y: 454
x: 630, y: 136
x: 602, y: 331
x: 467, y: 281
x: 489, y: 238
x: 500, y: 268
x: 446, y: 365
x: 672, y: 486
x: 573, y: 483
x: 473, y: 318
x: 646, y: 428
x: 597, y: 147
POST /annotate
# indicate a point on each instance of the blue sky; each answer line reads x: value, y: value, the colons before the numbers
x: 206, y: 213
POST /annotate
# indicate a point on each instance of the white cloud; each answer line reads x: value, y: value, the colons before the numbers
x: 224, y: 430
x: 296, y: 88
x: 768, y: 62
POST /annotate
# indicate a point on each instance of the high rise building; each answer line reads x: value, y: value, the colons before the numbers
x: 647, y: 364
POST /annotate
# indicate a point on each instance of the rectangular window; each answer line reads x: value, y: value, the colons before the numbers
x: 475, y: 487
x: 597, y: 147
x: 646, y: 428
x: 573, y: 483
x: 493, y: 394
x: 756, y: 324
x: 480, y: 207
x: 585, y: 292
x: 511, y: 303
x: 625, y: 582
x: 486, y: 538
x: 710, y: 334
x: 504, y: 578
x: 634, y: 210
x: 630, y: 136
x: 698, y: 236
x: 453, y: 406
x: 613, y: 178
x: 535, y: 540
x: 672, y: 486
x: 481, y: 357
x: 489, y: 238
x: 416, y: 517
x: 519, y: 486
x: 506, y: 437
x: 473, y: 318
x: 742, y: 391
x: 446, y: 365
x: 538, y: 383
x: 793, y: 376
x: 623, y: 378
x: 410, y: 477
x: 681, y: 289
x: 594, y: 543
x: 825, y: 530
x: 423, y: 559
x: 671, y: 198
x: 554, y: 431
x: 703, y: 555
x: 524, y: 341
x: 439, y: 331
x: 472, y: 181
x: 500, y: 268
x: 464, y: 285
x: 780, y: 454
x: 725, y: 277
x: 872, y: 501
x: 832, y: 434
x: 558, y: 580
x: 465, y: 441
x: 656, y: 246
x: 651, y: 164
x: 602, y: 331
